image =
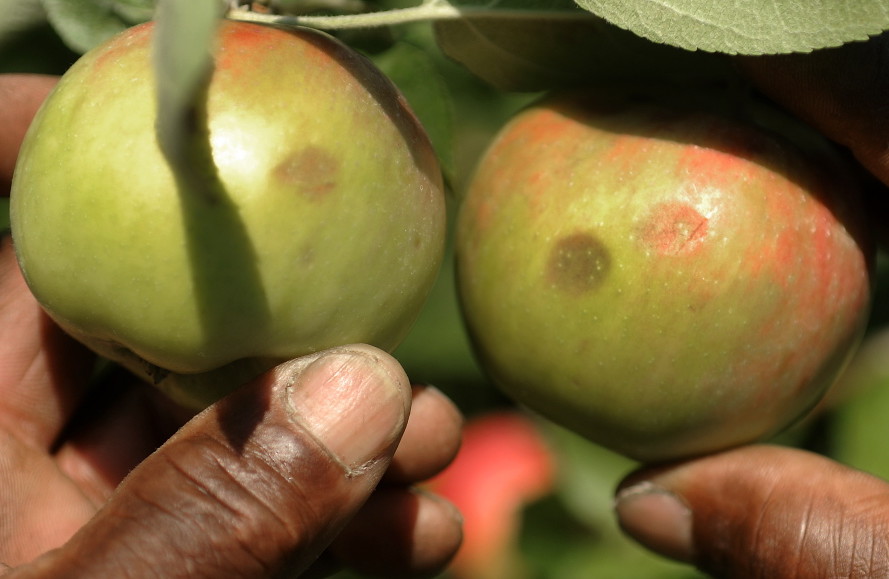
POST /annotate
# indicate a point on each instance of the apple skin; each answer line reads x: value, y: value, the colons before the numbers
x: 328, y: 229
x: 665, y: 281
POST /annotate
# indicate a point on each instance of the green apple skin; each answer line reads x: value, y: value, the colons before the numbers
x: 328, y: 227
x: 665, y: 282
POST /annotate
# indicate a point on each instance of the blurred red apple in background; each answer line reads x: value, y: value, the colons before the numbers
x: 503, y: 464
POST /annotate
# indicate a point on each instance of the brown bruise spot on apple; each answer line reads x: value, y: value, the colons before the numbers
x: 311, y: 171
x: 674, y: 228
x: 578, y: 263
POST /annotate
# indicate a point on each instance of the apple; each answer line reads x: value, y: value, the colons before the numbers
x: 327, y: 228
x: 504, y: 464
x: 661, y: 274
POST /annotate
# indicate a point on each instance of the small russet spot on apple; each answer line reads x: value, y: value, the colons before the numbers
x: 578, y: 263
x: 312, y: 171
x: 674, y: 228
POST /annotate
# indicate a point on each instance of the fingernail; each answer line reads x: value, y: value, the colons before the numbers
x: 353, y: 401
x: 657, y: 519
x: 449, y: 509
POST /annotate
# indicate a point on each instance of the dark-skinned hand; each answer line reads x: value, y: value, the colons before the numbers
x: 766, y: 511
x: 303, y: 471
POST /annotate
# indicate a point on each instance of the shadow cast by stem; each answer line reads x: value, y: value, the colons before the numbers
x: 224, y: 266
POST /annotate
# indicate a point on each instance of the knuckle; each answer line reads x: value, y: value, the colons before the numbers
x: 822, y: 532
x: 231, y: 512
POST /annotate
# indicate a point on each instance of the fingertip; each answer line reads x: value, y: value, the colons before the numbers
x: 431, y: 439
x: 401, y: 532
x: 355, y: 400
x: 657, y: 518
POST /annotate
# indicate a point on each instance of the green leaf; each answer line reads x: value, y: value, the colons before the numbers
x: 413, y: 71
x: 83, y: 24
x: 588, y: 477
x: 183, y: 63
x: 565, y: 47
x: 747, y: 26
x: 19, y: 16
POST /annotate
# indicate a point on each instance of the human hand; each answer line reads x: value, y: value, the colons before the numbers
x: 766, y: 511
x: 295, y: 474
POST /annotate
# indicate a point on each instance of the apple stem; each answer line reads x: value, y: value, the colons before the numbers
x: 429, y: 10
x: 183, y: 66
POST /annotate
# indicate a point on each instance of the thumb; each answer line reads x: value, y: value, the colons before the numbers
x: 257, y: 484
x: 761, y: 511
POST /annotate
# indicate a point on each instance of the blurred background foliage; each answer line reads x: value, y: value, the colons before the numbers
x: 565, y: 530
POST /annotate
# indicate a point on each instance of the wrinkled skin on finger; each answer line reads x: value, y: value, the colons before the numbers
x: 765, y: 512
x: 237, y: 479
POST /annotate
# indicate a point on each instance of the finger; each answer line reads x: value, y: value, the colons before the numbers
x: 842, y: 91
x: 259, y: 482
x: 762, y: 512
x: 39, y: 507
x: 431, y: 439
x: 400, y: 532
x: 44, y: 372
x: 21, y: 95
x: 123, y: 420
x: 119, y: 423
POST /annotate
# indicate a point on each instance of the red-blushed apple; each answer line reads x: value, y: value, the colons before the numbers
x: 665, y: 280
x: 503, y: 464
x: 326, y: 226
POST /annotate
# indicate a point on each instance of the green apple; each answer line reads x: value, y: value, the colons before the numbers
x: 663, y: 280
x: 327, y: 226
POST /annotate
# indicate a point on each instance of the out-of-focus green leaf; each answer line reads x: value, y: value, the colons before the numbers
x: 859, y: 428
x: 19, y: 16
x: 183, y: 63
x: 415, y: 74
x: 83, y: 24
x: 437, y: 350
x: 747, y: 26
x: 588, y: 477
x: 38, y: 50
x: 566, y: 48
x: 319, y: 6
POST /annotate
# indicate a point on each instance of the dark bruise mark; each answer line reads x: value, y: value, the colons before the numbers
x: 311, y: 171
x: 578, y: 263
